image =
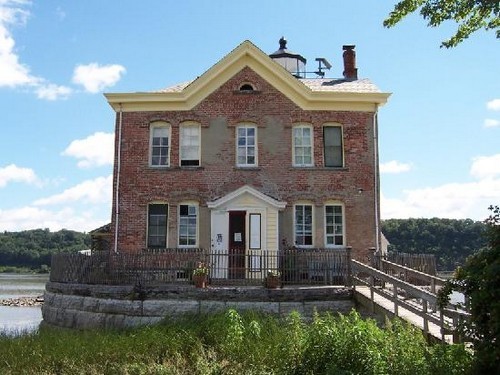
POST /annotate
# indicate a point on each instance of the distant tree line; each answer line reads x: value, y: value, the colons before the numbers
x: 34, y: 248
x: 450, y: 240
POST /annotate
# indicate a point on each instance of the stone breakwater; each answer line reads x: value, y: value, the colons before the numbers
x: 22, y: 301
x: 84, y: 306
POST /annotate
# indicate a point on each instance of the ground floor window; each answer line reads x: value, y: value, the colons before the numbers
x: 334, y: 225
x: 303, y: 225
x: 188, y: 224
x: 157, y: 225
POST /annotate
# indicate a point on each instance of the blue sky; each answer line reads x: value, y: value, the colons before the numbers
x: 439, y: 132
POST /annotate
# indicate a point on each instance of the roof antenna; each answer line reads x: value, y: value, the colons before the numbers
x: 322, y: 64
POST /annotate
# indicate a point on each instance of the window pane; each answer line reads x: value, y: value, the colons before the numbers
x: 334, y: 229
x: 302, y: 146
x: 190, y: 145
x: 303, y: 225
x: 159, y: 146
x: 332, y: 138
x: 246, y: 150
x: 188, y: 225
x: 157, y: 225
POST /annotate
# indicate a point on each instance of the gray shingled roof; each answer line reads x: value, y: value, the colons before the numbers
x: 315, y: 84
x: 340, y: 85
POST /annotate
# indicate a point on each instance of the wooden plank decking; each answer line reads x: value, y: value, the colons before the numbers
x: 384, y: 305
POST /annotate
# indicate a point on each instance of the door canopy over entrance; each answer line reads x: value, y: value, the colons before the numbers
x: 240, y: 193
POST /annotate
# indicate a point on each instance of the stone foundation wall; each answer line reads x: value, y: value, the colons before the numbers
x: 83, y: 306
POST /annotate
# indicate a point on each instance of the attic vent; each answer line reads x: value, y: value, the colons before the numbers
x: 246, y: 87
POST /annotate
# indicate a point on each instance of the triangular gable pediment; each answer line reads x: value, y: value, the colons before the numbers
x: 245, y: 55
x: 241, y: 192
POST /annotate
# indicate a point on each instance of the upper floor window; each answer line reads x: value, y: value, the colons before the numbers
x: 246, y: 146
x: 303, y: 221
x: 190, y: 144
x: 334, y: 225
x: 157, y: 225
x: 333, y: 146
x: 159, y: 145
x: 188, y: 225
x: 303, y: 146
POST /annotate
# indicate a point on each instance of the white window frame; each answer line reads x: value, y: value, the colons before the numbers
x: 148, y: 245
x: 333, y: 125
x: 246, y: 146
x: 295, y: 224
x: 189, y: 125
x: 295, y: 146
x: 190, y: 205
x: 159, y: 125
x: 335, y: 233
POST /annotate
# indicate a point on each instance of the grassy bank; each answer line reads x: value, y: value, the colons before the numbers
x: 236, y: 344
x: 15, y: 269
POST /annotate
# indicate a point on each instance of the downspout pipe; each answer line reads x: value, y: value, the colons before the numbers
x: 376, y: 180
x: 118, y: 167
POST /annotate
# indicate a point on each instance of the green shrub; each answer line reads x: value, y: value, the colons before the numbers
x: 234, y: 343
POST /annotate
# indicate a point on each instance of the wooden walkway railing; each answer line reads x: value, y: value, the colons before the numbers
x: 398, y: 294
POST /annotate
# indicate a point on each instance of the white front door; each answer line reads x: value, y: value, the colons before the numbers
x: 219, y: 244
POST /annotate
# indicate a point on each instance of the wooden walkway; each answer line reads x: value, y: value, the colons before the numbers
x: 390, y: 293
x: 385, y: 306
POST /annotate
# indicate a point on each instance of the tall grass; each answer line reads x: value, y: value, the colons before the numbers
x: 231, y: 343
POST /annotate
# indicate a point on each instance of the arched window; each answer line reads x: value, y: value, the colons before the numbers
x: 303, y: 224
x: 188, y: 224
x: 246, y: 145
x: 159, y: 144
x: 157, y: 225
x: 246, y: 87
x: 302, y: 140
x: 190, y: 144
x: 334, y: 224
x: 333, y: 145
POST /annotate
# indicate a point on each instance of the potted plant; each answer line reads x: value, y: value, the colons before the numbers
x: 200, y: 275
x: 273, y: 280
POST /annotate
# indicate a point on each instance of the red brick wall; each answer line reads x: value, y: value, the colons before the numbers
x: 274, y: 114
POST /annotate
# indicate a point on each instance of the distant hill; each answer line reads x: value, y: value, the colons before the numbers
x: 450, y: 240
x: 33, y: 248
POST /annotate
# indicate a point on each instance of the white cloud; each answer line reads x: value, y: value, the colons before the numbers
x: 491, y: 123
x: 394, y: 166
x: 453, y: 200
x: 13, y: 173
x: 95, y: 78
x: 486, y: 167
x: 29, y: 217
x: 494, y: 105
x: 83, y: 207
x: 95, y: 150
x: 53, y: 92
x: 96, y: 191
x: 12, y: 72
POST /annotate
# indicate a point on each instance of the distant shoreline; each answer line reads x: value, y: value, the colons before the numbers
x: 22, y: 301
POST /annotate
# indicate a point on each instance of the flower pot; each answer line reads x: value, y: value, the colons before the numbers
x: 273, y: 282
x: 200, y: 281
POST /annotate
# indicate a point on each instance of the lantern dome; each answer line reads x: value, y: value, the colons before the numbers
x: 293, y: 62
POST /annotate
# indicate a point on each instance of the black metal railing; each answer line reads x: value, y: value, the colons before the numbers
x: 294, y: 266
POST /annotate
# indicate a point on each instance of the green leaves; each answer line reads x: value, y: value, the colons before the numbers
x: 479, y: 280
x: 470, y: 15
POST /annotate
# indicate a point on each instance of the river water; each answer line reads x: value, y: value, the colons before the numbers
x: 20, y: 319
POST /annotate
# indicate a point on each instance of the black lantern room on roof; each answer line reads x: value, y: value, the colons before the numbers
x: 294, y: 63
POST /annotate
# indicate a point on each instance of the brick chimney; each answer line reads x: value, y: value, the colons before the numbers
x: 350, y: 70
